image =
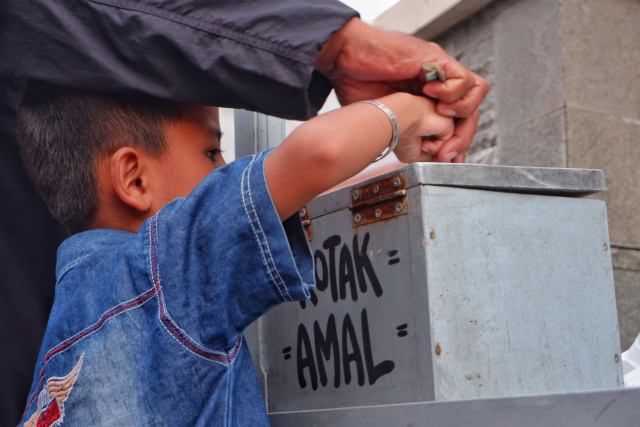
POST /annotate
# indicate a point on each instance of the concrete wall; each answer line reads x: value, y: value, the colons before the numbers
x: 565, y: 77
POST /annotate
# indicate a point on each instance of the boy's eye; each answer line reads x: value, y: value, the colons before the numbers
x: 214, y: 153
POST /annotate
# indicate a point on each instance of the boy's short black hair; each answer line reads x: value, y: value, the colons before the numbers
x: 64, y: 132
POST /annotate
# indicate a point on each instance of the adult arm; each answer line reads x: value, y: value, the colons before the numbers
x: 367, y: 63
x: 258, y: 55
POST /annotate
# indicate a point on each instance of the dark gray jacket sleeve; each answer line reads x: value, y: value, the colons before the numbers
x: 256, y: 54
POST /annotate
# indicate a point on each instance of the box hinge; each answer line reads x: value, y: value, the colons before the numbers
x: 379, y: 200
x: 305, y: 217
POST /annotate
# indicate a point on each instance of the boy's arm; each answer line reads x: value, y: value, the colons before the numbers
x: 332, y: 147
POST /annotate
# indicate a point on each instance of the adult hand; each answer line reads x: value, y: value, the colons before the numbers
x: 364, y: 62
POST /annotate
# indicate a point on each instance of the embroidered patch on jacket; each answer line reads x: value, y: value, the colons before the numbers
x: 50, y: 410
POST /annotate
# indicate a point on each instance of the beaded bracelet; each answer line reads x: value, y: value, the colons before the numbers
x: 394, y: 125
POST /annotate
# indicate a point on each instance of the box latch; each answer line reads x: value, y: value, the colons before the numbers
x: 379, y: 200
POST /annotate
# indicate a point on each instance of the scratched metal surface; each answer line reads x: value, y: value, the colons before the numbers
x: 472, y: 294
x: 521, y: 294
x: 549, y: 181
x: 546, y: 181
x: 609, y: 408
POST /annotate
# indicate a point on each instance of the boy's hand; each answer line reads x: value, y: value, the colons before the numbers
x: 422, y: 141
x: 452, y: 150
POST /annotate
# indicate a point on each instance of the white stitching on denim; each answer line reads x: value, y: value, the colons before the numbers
x: 101, y: 326
x: 266, y: 241
x: 186, y: 347
x: 72, y: 342
x: 149, y: 225
x: 225, y: 355
x: 75, y: 262
x: 64, y: 270
x: 162, y: 308
x: 248, y: 214
x: 255, y: 233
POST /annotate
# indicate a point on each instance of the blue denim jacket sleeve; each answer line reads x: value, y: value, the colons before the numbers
x: 221, y: 257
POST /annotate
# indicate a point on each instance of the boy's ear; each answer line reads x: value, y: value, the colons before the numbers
x: 129, y: 177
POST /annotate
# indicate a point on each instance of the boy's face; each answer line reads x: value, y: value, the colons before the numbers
x: 193, y: 152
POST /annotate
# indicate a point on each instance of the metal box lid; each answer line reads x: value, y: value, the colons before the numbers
x: 515, y: 179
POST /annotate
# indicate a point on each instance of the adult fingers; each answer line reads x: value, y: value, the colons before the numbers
x: 417, y: 157
x: 459, y: 81
x: 460, y: 141
x: 468, y: 103
x: 460, y: 159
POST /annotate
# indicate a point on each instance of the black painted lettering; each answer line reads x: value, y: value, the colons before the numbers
x: 349, y: 334
x: 312, y: 297
x: 305, y: 361
x: 363, y: 264
x: 325, y: 344
x: 321, y: 264
x: 373, y: 371
x: 346, y: 275
x: 331, y: 243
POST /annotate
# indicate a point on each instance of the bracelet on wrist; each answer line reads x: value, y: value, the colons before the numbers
x: 394, y: 125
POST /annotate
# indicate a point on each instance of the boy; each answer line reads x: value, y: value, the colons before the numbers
x: 174, y: 253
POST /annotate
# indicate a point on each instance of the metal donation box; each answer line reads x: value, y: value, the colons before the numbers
x: 444, y: 282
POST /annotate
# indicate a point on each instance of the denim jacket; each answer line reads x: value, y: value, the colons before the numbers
x: 146, y: 328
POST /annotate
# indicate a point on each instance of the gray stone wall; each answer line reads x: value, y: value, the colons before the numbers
x: 565, y: 92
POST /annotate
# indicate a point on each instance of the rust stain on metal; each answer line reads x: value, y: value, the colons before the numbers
x: 432, y: 235
x: 380, y: 200
x: 438, y: 350
x: 305, y: 217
